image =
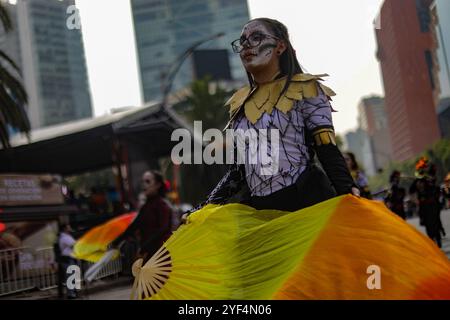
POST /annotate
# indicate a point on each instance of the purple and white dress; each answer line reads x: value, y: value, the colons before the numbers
x: 293, y: 151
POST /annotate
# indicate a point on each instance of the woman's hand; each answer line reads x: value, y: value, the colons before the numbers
x: 355, y: 192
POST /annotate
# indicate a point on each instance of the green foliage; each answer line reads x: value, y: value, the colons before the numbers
x: 83, y: 183
x: 206, y: 104
x: 438, y: 154
x: 13, y: 97
x: 5, y: 18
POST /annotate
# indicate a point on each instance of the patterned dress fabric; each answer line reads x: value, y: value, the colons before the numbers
x: 293, y: 157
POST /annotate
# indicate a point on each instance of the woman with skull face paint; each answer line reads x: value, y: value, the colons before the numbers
x: 235, y: 251
x: 281, y: 97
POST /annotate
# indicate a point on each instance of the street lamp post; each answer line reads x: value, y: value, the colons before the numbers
x: 170, y: 75
x: 167, y: 81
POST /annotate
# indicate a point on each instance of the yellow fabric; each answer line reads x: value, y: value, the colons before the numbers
x: 265, y: 97
x: 321, y: 252
x: 234, y: 252
x: 362, y: 233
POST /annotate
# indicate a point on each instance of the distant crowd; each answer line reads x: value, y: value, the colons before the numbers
x: 425, y: 196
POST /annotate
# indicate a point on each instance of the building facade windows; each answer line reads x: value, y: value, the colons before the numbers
x: 165, y: 29
x: 423, y: 13
x: 429, y: 61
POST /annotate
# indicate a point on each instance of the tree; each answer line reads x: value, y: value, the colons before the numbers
x: 207, y: 105
x: 438, y: 154
x: 13, y: 96
x: 83, y: 183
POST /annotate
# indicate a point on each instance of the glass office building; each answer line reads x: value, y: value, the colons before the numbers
x: 51, y: 57
x: 441, y: 10
x: 166, y: 28
x: 443, y: 52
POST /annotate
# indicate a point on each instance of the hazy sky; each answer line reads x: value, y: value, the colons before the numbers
x: 334, y: 37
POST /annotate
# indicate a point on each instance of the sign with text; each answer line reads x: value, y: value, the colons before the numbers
x: 29, y: 190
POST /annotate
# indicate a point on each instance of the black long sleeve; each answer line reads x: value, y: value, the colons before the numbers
x: 335, y: 167
x: 130, y: 230
x: 231, y: 183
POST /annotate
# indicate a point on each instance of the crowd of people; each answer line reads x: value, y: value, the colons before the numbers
x: 430, y: 199
x: 423, y: 195
x: 99, y: 200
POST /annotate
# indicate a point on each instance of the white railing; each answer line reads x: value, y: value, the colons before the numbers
x: 15, y: 272
x: 24, y: 269
x: 111, y: 268
x: 47, y: 269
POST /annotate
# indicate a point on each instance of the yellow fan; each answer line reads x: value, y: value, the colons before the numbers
x: 326, y: 251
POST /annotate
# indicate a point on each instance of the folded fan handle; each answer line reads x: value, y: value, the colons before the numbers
x: 120, y: 245
x: 111, y: 245
x: 95, y: 268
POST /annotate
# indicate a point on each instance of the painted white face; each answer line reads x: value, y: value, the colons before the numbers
x: 259, y: 57
x: 149, y: 184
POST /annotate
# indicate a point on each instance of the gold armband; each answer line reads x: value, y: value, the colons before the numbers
x: 324, y: 137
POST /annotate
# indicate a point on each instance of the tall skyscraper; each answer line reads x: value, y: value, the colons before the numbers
x: 441, y: 15
x: 358, y: 143
x: 372, y: 119
x: 51, y: 58
x: 166, y: 28
x: 405, y: 52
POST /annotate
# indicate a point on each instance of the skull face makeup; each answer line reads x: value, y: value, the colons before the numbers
x: 265, y: 55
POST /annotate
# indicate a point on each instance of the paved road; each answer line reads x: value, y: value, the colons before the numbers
x: 120, y: 293
x: 445, y: 217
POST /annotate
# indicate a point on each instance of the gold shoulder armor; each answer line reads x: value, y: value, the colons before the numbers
x: 268, y: 96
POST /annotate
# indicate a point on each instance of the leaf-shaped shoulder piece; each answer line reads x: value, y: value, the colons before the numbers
x: 238, y: 98
x: 267, y: 96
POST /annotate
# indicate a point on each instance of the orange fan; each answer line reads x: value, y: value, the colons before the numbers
x: 94, y: 243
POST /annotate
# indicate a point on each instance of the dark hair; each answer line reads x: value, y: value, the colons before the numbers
x: 432, y: 171
x: 289, y: 64
x: 394, y: 174
x: 159, y: 178
x: 63, y: 227
x: 353, y: 158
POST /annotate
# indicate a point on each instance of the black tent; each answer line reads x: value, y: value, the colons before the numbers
x: 91, y: 144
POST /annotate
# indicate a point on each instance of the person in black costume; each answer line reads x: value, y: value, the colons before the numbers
x: 396, y: 196
x: 428, y: 194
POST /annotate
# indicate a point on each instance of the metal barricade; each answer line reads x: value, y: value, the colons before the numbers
x: 16, y: 270
x: 47, y: 269
x: 24, y: 269
x: 113, y: 267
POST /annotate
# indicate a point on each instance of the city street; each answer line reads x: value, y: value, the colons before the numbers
x: 122, y: 292
x: 445, y: 217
